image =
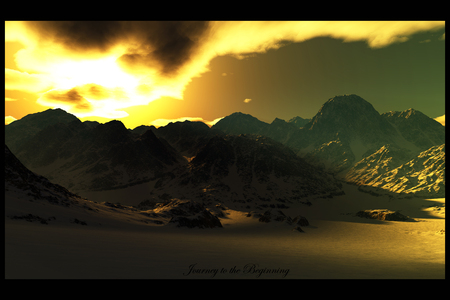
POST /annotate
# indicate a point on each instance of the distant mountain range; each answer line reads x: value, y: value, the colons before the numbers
x: 240, y: 156
x: 79, y: 156
x: 348, y: 132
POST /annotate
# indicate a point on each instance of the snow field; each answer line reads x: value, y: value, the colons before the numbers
x: 335, y: 245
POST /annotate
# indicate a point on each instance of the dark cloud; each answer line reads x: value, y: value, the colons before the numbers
x: 69, y: 97
x: 96, y: 91
x: 79, y: 35
x: 164, y: 44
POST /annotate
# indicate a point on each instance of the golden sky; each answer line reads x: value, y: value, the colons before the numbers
x: 148, y: 72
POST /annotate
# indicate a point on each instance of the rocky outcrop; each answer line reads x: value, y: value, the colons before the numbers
x: 247, y: 170
x: 390, y: 170
x: 187, y: 213
x: 90, y: 156
x: 279, y: 216
x: 383, y: 215
x: 37, y: 187
x: 417, y: 128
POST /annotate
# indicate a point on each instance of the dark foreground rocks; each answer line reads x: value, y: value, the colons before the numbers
x: 279, y: 216
x: 383, y: 215
x: 188, y: 213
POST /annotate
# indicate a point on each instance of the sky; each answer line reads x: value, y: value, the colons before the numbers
x: 156, y: 72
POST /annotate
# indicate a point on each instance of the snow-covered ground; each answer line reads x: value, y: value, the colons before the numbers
x: 335, y: 245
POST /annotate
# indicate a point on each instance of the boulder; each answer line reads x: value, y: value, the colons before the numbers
x: 187, y: 213
x: 300, y: 220
x: 297, y: 228
x: 279, y: 216
x: 383, y: 215
x: 266, y: 217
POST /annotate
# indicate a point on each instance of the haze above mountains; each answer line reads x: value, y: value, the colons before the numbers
x: 240, y: 158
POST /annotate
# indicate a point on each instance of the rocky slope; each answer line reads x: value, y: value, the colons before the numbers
x: 21, y: 130
x: 345, y: 130
x: 36, y: 187
x: 247, y: 171
x: 186, y: 137
x: 104, y: 156
x: 33, y: 198
x: 417, y: 128
x: 391, y: 170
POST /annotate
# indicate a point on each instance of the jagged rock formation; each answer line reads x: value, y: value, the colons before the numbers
x: 298, y: 222
x: 36, y: 187
x: 346, y: 129
x: 103, y: 156
x: 23, y: 185
x: 186, y: 137
x: 348, y: 137
x: 240, y: 123
x: 21, y: 130
x: 423, y: 175
x: 417, y: 128
x: 299, y: 122
x: 383, y: 215
x: 187, y: 213
x: 247, y: 169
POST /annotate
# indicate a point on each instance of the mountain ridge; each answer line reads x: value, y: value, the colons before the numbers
x: 345, y: 131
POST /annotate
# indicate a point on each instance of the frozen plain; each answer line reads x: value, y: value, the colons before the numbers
x: 336, y: 245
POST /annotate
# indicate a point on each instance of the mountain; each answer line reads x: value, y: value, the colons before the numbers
x: 20, y: 130
x: 299, y: 122
x: 345, y: 129
x: 33, y: 198
x: 348, y: 135
x: 417, y: 128
x: 95, y: 156
x: 240, y: 123
x: 279, y: 130
x: 384, y: 160
x: 391, y: 170
x: 19, y: 178
x: 186, y: 137
x: 348, y: 118
x: 247, y: 170
x: 334, y: 139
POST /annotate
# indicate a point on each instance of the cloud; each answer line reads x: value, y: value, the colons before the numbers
x: 68, y: 99
x: 166, y: 44
x: 22, y: 81
x: 247, y: 100
x: 10, y: 99
x: 164, y: 122
x: 9, y: 119
x: 88, y: 100
x: 441, y: 119
x: 147, y: 60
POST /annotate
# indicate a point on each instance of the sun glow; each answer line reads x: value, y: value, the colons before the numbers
x: 103, y: 71
x: 100, y: 87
